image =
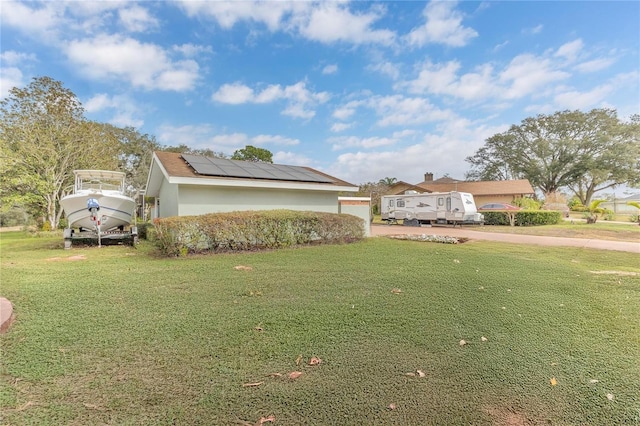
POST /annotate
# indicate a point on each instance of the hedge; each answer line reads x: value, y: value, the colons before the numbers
x: 524, y: 218
x: 253, y: 230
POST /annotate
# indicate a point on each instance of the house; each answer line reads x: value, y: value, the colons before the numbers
x: 185, y: 184
x: 500, y: 191
x: 620, y: 206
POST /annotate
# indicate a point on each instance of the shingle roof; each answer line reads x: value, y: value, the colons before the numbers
x: 500, y: 187
x: 176, y: 166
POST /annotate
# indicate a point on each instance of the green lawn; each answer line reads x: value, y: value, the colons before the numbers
x: 122, y: 336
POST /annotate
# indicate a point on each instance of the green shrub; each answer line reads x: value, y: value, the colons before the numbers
x: 253, y: 230
x: 527, y: 203
x: 144, y: 230
x: 524, y: 218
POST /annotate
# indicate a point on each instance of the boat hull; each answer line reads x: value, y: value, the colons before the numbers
x: 115, y: 210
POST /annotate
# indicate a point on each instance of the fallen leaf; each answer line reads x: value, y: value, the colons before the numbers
x: 295, y: 374
x: 251, y: 385
x: 481, y: 288
x: 421, y: 373
x: 594, y: 381
x: 392, y: 406
x: 410, y: 374
x: 456, y: 261
x: 610, y: 396
x: 243, y: 268
x: 484, y: 339
x: 299, y: 360
x: 258, y: 328
x: 504, y: 307
x: 396, y: 291
x: 463, y: 342
x: 274, y: 375
x: 263, y: 420
x: 315, y: 360
x: 553, y: 381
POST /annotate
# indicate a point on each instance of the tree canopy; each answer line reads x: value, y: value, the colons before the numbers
x: 44, y: 137
x: 584, y: 152
x: 252, y: 153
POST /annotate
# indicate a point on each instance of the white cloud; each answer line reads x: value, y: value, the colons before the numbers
x: 441, y: 152
x: 344, y: 142
x: 11, y: 77
x: 41, y: 23
x: 527, y: 74
x: 141, y: 64
x: 330, y: 69
x: 574, y: 99
x: 443, y: 26
x: 232, y: 140
x: 571, y: 50
x: 191, y: 50
x: 324, y: 22
x: 386, y: 68
x: 330, y: 22
x: 137, y: 19
x: 228, y: 13
x: 346, y: 111
x: 341, y: 127
x: 273, y: 140
x: 569, y: 98
x: 11, y: 57
x: 595, y: 65
x: 125, y: 111
x: 196, y: 136
x: 534, y: 30
x: 300, y: 99
x: 292, y: 159
x: 442, y: 79
x: 234, y: 94
x: 403, y: 111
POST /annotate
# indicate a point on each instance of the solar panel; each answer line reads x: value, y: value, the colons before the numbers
x: 211, y: 166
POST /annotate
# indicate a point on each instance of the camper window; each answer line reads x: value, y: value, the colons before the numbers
x: 400, y: 203
x: 441, y: 201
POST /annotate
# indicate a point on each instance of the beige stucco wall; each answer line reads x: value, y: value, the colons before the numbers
x: 357, y: 206
x: 167, y: 201
x: 196, y: 200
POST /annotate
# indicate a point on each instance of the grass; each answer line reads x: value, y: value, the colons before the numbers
x: 121, y: 336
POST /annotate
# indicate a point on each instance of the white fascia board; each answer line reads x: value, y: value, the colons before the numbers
x: 156, y: 172
x: 260, y: 184
x: 354, y: 198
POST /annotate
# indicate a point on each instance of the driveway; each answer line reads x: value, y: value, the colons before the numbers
x: 381, y: 230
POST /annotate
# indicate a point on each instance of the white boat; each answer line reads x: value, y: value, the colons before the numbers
x: 98, y: 202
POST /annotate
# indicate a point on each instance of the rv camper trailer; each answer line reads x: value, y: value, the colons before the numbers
x: 446, y: 208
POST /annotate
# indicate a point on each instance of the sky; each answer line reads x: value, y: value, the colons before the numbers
x: 360, y: 90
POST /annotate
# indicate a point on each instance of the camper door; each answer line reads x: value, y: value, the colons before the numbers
x: 443, y: 206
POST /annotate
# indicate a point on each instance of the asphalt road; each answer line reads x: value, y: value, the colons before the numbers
x: 462, y: 232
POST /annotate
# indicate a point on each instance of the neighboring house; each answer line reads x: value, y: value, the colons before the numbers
x: 184, y: 184
x: 500, y: 191
x: 619, y: 205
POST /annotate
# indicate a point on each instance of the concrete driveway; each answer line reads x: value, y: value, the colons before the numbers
x: 381, y: 230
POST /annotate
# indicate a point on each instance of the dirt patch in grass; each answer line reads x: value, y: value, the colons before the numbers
x: 506, y: 417
x: 622, y: 273
x: 68, y: 259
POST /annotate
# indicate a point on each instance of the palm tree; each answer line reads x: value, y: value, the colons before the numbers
x: 594, y: 211
x: 635, y: 204
x: 388, y: 181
